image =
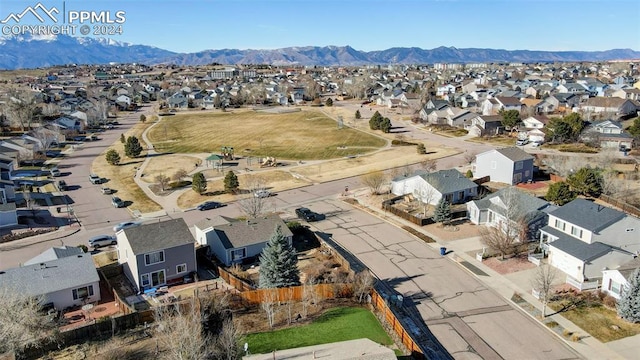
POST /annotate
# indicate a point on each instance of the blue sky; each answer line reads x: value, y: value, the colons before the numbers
x: 194, y: 25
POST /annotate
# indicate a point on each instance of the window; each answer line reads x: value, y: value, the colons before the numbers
x: 238, y: 254
x: 576, y: 232
x: 614, y: 287
x: 182, y: 268
x: 519, y: 165
x: 526, y: 173
x: 83, y: 292
x: 461, y: 195
x: 144, y: 280
x: 560, y: 225
x: 154, y: 258
x: 491, y: 216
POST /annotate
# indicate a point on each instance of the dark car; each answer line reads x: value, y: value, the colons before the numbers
x: 209, y: 205
x: 117, y: 202
x: 306, y: 214
x: 62, y: 185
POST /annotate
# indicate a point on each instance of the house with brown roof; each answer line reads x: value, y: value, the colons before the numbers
x: 610, y: 105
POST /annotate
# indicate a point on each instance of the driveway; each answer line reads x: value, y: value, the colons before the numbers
x: 470, y: 320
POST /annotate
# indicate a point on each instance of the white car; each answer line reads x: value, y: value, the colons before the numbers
x: 102, y: 240
x: 262, y: 193
x: 125, y: 225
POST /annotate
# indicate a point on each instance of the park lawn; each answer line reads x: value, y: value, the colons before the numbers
x: 598, y: 321
x: 303, y: 135
x: 337, y: 324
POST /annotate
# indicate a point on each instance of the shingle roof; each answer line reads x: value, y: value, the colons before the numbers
x: 515, y: 154
x: 243, y: 233
x: 527, y: 204
x: 7, y: 206
x: 448, y: 181
x: 158, y: 236
x: 44, y: 278
x: 580, y: 249
x: 213, y: 221
x: 587, y: 214
x: 508, y: 100
x: 54, y: 253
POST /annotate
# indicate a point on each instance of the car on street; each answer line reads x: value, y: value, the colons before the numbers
x: 307, y: 215
x: 62, y: 185
x: 55, y: 172
x: 209, y: 205
x: 522, y: 142
x: 117, y: 202
x: 125, y: 225
x: 106, y: 191
x: 95, y: 179
x: 262, y: 193
x: 102, y: 240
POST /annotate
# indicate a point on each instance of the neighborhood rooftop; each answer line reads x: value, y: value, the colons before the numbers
x: 448, y: 181
x: 158, y: 236
x: 250, y: 232
x: 587, y: 214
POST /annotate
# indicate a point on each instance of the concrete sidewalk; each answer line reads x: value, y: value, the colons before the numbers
x: 458, y: 251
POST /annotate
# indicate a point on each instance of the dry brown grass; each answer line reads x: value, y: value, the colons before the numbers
x: 121, y: 176
x: 168, y: 165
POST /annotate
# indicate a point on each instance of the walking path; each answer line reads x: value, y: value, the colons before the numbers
x: 459, y: 250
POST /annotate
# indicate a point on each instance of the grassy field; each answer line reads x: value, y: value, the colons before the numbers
x: 300, y: 135
x: 598, y: 321
x: 338, y: 324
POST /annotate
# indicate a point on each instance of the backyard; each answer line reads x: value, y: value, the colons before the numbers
x: 302, y: 135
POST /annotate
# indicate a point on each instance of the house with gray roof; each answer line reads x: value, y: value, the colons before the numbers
x: 429, y: 187
x: 614, y: 281
x: 583, y: 238
x: 507, y: 165
x: 239, y: 239
x: 156, y: 254
x: 55, y: 253
x: 64, y: 282
x: 510, y: 204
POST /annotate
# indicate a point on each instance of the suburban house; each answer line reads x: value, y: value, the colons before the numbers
x: 156, y: 254
x: 607, y: 134
x: 535, y: 122
x: 178, y: 100
x: 239, y: 239
x: 609, y: 105
x: 583, y: 238
x: 431, y: 187
x: 507, y: 165
x: 481, y: 125
x: 500, y: 103
x: 64, y: 282
x: 55, y: 253
x: 510, y: 204
x: 614, y: 281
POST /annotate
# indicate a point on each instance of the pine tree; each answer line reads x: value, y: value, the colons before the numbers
x: 442, y: 212
x: 123, y: 139
x: 329, y: 102
x: 560, y: 193
x: 112, y: 157
x: 231, y: 183
x: 199, y: 183
x: 629, y: 303
x: 385, y: 125
x: 374, y: 122
x: 586, y: 181
x: 358, y: 115
x: 132, y: 147
x: 278, y: 263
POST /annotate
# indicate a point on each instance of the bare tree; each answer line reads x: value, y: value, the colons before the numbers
x: 227, y: 341
x: 564, y: 165
x: 50, y: 110
x: 542, y: 282
x: 289, y: 304
x: 254, y: 206
x: 507, y: 228
x: 45, y: 136
x: 269, y: 305
x: 22, y: 321
x: 429, y: 165
x: 374, y: 181
x: 362, y: 285
x: 307, y: 296
x: 21, y: 109
x: 469, y: 157
x: 180, y: 174
x: 162, y: 180
x: 179, y: 329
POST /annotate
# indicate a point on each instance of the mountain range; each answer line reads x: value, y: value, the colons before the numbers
x: 19, y: 52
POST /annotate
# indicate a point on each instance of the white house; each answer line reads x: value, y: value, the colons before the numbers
x: 508, y: 165
x: 431, y: 187
x: 614, y: 281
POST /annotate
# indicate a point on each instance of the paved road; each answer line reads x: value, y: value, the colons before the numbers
x: 470, y: 320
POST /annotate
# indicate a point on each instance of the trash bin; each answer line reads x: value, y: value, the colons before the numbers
x: 443, y: 251
x: 58, y: 209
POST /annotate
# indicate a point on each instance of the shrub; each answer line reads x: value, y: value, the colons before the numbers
x: 396, y: 142
x: 552, y: 324
x: 295, y: 227
x: 469, y: 174
x: 418, y: 234
x: 609, y: 302
x: 566, y: 332
x: 575, y: 337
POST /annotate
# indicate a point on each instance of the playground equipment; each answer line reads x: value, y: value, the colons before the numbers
x: 227, y: 153
x: 268, y: 162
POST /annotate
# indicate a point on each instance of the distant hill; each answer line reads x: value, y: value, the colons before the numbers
x: 32, y: 52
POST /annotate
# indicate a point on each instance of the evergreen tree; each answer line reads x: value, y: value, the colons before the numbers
x: 374, y: 122
x: 199, y: 183
x: 278, y: 263
x: 510, y: 118
x: 629, y: 303
x: 358, y: 115
x: 560, y: 193
x: 421, y: 149
x: 231, y: 183
x: 586, y: 181
x: 143, y: 118
x: 385, y: 125
x: 112, y: 157
x: 329, y: 102
x: 122, y: 139
x: 132, y: 147
x: 442, y: 212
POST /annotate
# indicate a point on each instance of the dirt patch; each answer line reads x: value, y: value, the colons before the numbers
x: 456, y: 231
x: 509, y: 265
x: 168, y: 165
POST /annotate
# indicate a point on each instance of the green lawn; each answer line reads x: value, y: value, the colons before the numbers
x: 303, y: 135
x: 338, y: 324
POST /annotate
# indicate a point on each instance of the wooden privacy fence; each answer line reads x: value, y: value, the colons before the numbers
x: 624, y: 206
x: 387, y: 205
x: 380, y: 305
x: 234, y: 281
x: 298, y: 293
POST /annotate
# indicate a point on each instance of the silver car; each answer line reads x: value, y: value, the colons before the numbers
x: 102, y: 240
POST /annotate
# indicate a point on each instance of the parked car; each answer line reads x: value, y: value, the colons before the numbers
x: 306, y: 214
x: 62, y: 185
x: 55, y: 172
x: 105, y: 190
x: 125, y: 225
x: 536, y: 143
x: 95, y: 179
x: 522, y: 142
x: 262, y: 193
x: 117, y: 202
x: 102, y: 240
x: 209, y: 205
